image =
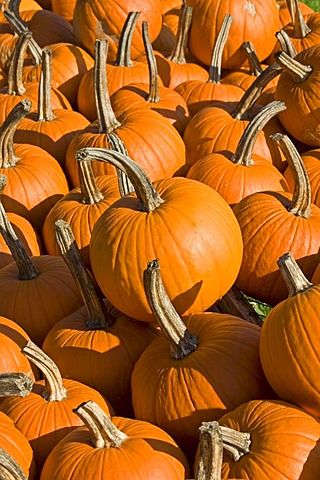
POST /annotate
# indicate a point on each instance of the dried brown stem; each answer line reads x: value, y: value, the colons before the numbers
x: 45, y: 112
x: 9, y: 468
x: 298, y: 71
x: 153, y: 96
x: 15, y: 384
x: 293, y: 275
x: 123, y: 58
x: 215, y: 64
x: 178, y: 53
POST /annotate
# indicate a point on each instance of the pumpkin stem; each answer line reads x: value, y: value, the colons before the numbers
x: 211, y: 452
x: 215, y: 64
x: 15, y: 83
x: 254, y: 62
x: 235, y: 443
x: 123, y: 58
x: 15, y: 384
x: 27, y: 271
x: 106, y: 117
x: 298, y: 71
x: 293, y: 275
x: 45, y: 112
x: 153, y: 96
x: 104, y: 433
x: 124, y: 184
x: 178, y: 53
x: 242, y: 110
x: 235, y: 303
x: 12, y: 15
x: 182, y: 342
x: 98, y: 316
x: 145, y: 191
x: 301, y: 199
x: 286, y: 43
x: 7, y: 131
x: 54, y: 389
x: 243, y: 154
x: 300, y: 27
x: 91, y: 193
x: 9, y: 468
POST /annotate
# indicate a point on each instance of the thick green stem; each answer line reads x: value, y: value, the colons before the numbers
x: 98, y: 317
x: 104, y: 433
x: 293, y: 275
x: 145, y: 191
x: 124, y: 47
x: 301, y: 199
x: 54, y: 389
x: 243, y: 154
x: 215, y: 64
x: 178, y: 53
x: 182, y: 342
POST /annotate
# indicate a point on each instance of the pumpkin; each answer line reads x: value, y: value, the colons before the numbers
x: 220, y: 126
x: 135, y: 133
x: 46, y: 415
x: 49, y: 128
x: 101, y: 20
x: 202, y: 366
x: 288, y: 321
x: 284, y: 12
x: 284, y: 442
x: 15, y: 450
x: 81, y: 208
x: 260, y: 216
x: 200, y: 94
x: 250, y: 25
x: 153, y: 96
x: 176, y: 67
x: 65, y: 10
x: 234, y: 175
x: 117, y: 447
x: 206, y: 235
x: 35, y: 180
x: 121, y: 72
x: 34, y: 282
x: 92, y: 336
x: 296, y: 87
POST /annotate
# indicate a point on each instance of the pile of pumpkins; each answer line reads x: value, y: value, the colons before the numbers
x: 161, y: 154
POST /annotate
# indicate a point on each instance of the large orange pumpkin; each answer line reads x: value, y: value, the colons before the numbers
x: 203, y: 230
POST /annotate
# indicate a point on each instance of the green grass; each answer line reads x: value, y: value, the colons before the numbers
x: 315, y: 4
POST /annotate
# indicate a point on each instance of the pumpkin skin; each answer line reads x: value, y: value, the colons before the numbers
x: 16, y: 444
x: 285, y: 442
x: 287, y: 340
x: 148, y: 454
x: 223, y: 372
x: 44, y: 423
x: 99, y: 20
x: 249, y: 25
x: 202, y: 272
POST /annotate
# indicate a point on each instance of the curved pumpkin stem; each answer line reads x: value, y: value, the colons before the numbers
x: 104, y: 433
x: 9, y: 468
x: 15, y: 384
x: 7, y: 131
x: 153, y: 96
x: 15, y: 83
x: 91, y: 193
x: 45, y: 112
x: 243, y: 154
x: 286, y: 44
x: 293, y: 275
x: 98, y: 316
x: 242, y: 110
x: 254, y: 62
x: 123, y: 58
x: 300, y: 27
x: 178, y: 53
x: 12, y: 15
x: 298, y: 71
x: 182, y: 342
x: 145, y: 191
x: 301, y: 199
x: 215, y: 64
x: 27, y: 270
x: 54, y: 389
